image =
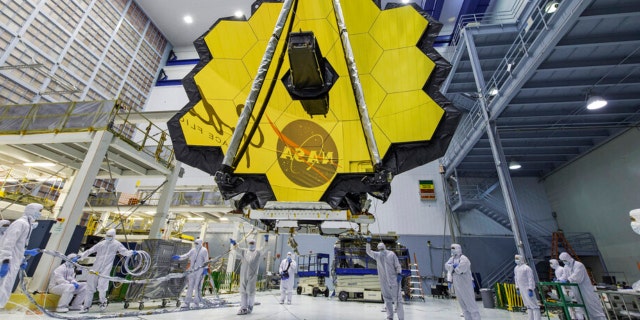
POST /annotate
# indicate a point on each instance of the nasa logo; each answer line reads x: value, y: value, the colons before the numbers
x: 307, y: 154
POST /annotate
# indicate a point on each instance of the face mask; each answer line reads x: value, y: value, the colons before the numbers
x: 565, y: 262
x: 109, y: 238
x: 252, y: 247
x: 635, y: 226
x: 289, y: 258
x: 34, y: 225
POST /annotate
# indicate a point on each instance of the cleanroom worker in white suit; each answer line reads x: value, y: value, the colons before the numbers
x: 526, y: 285
x: 459, y: 266
x: 63, y: 283
x: 287, y: 272
x: 577, y: 273
x: 13, y: 248
x: 389, y: 275
x: 558, y: 270
x: 4, y: 225
x: 250, y: 260
x: 105, y: 251
x: 198, y: 256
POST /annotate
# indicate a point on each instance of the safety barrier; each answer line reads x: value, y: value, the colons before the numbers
x: 507, y: 297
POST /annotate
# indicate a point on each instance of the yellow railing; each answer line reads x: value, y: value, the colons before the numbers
x: 88, y: 116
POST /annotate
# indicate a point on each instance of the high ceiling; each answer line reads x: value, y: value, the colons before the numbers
x: 168, y: 15
x: 590, y: 48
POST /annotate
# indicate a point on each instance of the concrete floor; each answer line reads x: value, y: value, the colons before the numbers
x: 303, y: 307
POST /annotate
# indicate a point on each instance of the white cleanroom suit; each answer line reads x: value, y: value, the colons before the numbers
x: 250, y: 259
x: 286, y: 283
x: 389, y: 271
x: 459, y: 267
x: 526, y: 284
x: 63, y: 283
x: 105, y: 251
x: 14, y: 244
x: 577, y: 273
x: 198, y: 256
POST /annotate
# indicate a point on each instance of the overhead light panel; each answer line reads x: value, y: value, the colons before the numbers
x: 195, y: 219
x: 514, y: 165
x: 238, y: 14
x: 596, y: 102
x: 188, y: 19
x: 551, y: 7
x: 493, y: 92
x: 38, y: 164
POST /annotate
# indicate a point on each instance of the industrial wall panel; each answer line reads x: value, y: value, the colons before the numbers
x: 79, y: 61
x: 65, y: 13
x: 136, y: 17
x: 127, y: 37
x: 93, y: 37
x: 14, y: 14
x: 97, y: 64
x: 13, y: 93
x: 103, y: 15
x: 119, y: 5
x: 118, y: 58
x: 155, y: 38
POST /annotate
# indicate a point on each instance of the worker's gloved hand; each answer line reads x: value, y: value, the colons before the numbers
x: 175, y: 257
x: 23, y: 265
x: 530, y: 293
x: 32, y: 252
x: 564, y: 281
x: 368, y: 238
x: 76, y: 285
x: 455, y: 265
x: 205, y: 271
x: 4, y: 269
x: 75, y: 259
x: 233, y: 242
x: 266, y: 238
x: 399, y: 278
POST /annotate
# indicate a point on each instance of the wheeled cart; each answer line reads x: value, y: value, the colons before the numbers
x: 312, y: 272
x: 160, y: 252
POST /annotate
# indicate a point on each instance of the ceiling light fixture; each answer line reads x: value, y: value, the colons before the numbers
x: 405, y: 1
x: 188, y: 19
x: 514, y: 165
x: 238, y: 14
x: 596, y: 102
x: 551, y: 7
x: 195, y: 219
x: 493, y: 92
x: 38, y: 164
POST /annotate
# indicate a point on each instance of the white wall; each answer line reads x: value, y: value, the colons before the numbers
x: 596, y: 193
x: 404, y: 212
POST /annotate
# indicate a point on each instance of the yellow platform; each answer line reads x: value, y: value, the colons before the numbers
x: 49, y: 300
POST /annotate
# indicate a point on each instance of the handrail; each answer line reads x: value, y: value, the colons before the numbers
x: 537, y: 22
x: 88, y: 116
x: 483, y: 19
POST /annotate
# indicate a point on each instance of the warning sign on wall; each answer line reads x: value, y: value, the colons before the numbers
x: 427, y: 190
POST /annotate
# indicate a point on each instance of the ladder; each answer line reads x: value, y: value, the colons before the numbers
x: 558, y: 238
x: 415, y: 281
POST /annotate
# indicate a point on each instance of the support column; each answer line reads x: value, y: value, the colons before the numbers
x: 203, y: 229
x: 71, y: 209
x: 517, y: 227
x: 164, y: 203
